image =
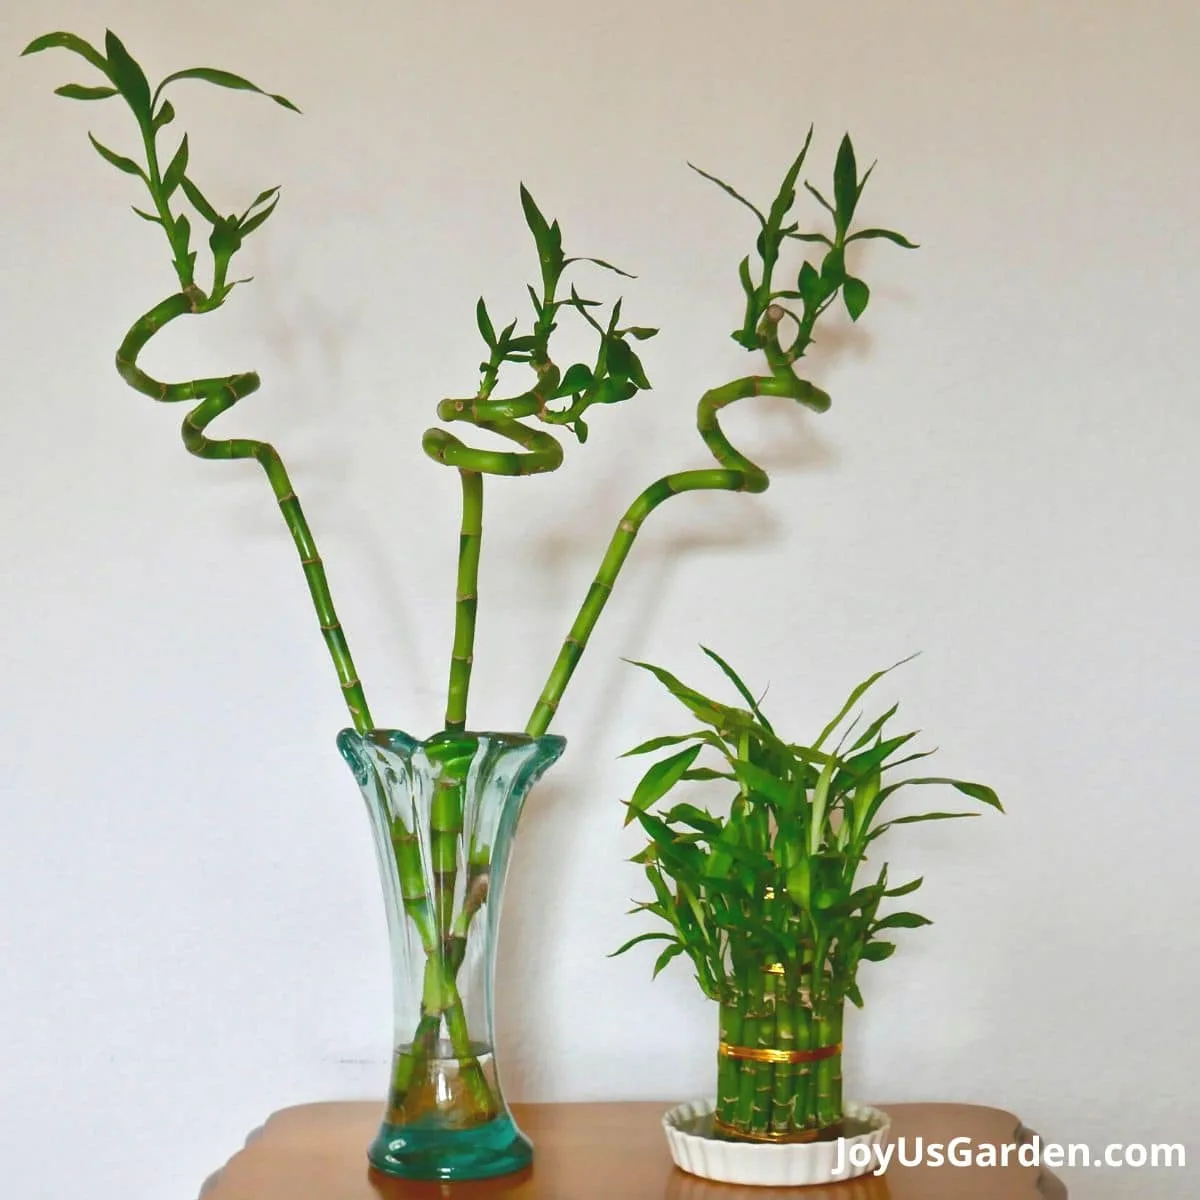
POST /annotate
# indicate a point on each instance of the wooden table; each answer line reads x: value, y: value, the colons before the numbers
x: 604, y: 1152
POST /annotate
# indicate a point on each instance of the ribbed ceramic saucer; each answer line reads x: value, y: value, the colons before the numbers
x: 778, y: 1164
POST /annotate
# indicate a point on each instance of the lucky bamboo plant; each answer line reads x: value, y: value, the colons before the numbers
x: 765, y: 899
x: 777, y: 324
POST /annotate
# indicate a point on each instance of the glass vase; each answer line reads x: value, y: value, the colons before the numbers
x: 444, y: 813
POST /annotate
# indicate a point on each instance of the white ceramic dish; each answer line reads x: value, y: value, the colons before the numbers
x: 787, y: 1164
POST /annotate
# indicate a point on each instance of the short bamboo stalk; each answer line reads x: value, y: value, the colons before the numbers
x: 761, y: 1094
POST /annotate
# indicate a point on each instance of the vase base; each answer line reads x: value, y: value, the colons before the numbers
x: 412, y: 1152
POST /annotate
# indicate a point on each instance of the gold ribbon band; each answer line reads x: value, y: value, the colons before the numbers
x: 798, y: 1135
x: 765, y: 1054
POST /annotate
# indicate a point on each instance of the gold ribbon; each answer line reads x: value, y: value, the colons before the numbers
x: 765, y: 1054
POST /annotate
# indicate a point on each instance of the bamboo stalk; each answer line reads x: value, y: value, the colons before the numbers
x: 802, y: 1081
x: 736, y: 474
x: 444, y: 949
x: 540, y: 452
x: 744, y: 1119
x: 785, y: 1073
x: 829, y: 1072
x: 727, y: 1067
x: 215, y: 396
x: 764, y: 1072
x: 466, y: 600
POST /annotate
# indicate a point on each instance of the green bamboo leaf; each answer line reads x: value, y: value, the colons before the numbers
x: 867, y: 762
x: 905, y: 888
x: 857, y: 695
x: 878, y: 951
x: 486, y: 329
x: 821, y: 200
x: 693, y: 905
x: 247, y: 227
x: 811, y: 237
x: 695, y: 818
x: 677, y: 855
x: 706, y: 710
x: 164, y: 116
x: 635, y: 371
x: 181, y: 236
x: 745, y: 277
x: 262, y: 197
x: 742, y: 689
x: 812, y: 289
x: 77, y: 91
x: 755, y: 860
x: 665, y: 957
x: 198, y: 202
x: 619, y: 359
x: 129, y: 77
x: 705, y: 774
x: 119, y: 160
x: 174, y: 172
x: 225, y: 79
x: 538, y: 225
x: 662, y: 893
x: 855, y: 294
x: 763, y: 782
x: 880, y: 830
x: 820, y: 798
x: 901, y: 920
x: 914, y: 757
x: 845, y: 183
x: 640, y: 332
x: 673, y: 739
x: 599, y: 262
x: 799, y: 883
x: 579, y: 429
x: 865, y: 898
x: 69, y: 41
x: 833, y: 268
x: 659, y: 780
x: 643, y: 937
x: 786, y: 196
x: 977, y: 791
x: 875, y: 727
x: 576, y: 378
x: 146, y: 216
x: 887, y: 234
x: 730, y: 191
x: 226, y: 238
x: 854, y: 995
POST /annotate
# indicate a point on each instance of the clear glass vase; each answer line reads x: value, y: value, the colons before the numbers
x: 444, y: 813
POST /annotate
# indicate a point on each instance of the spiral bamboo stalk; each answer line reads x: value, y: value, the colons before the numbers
x: 215, y: 396
x: 539, y: 452
x: 735, y: 474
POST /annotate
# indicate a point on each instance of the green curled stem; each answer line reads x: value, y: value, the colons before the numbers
x: 539, y: 452
x: 213, y: 397
x: 736, y: 473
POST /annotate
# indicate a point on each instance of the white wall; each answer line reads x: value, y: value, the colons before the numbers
x: 192, y: 934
